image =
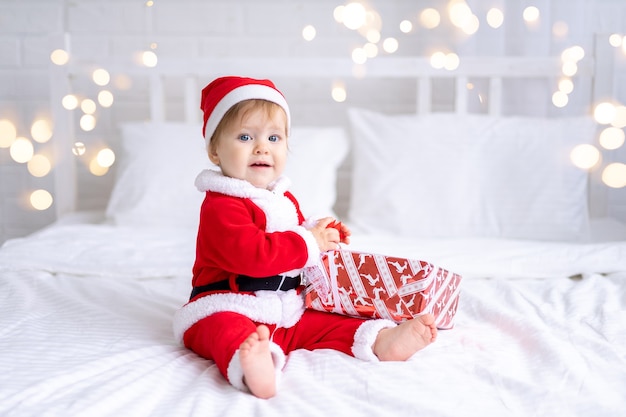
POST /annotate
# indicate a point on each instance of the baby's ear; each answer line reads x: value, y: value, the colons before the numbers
x: 213, y: 157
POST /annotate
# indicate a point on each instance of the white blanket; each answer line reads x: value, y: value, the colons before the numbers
x: 85, y: 330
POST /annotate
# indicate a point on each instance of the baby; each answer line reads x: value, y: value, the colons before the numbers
x: 246, y: 310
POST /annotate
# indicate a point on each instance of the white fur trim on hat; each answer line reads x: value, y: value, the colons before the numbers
x: 239, y: 94
x: 365, y: 336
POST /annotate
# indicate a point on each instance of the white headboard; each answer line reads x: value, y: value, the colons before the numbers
x: 593, y: 81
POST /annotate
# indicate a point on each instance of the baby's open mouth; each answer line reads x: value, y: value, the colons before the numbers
x: 261, y: 164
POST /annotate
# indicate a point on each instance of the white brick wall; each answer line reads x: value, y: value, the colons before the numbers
x: 117, y: 29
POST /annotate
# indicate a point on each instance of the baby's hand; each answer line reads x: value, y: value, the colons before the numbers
x: 344, y: 232
x: 328, y: 237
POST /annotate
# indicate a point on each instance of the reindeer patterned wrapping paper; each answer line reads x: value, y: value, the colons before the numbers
x: 376, y: 286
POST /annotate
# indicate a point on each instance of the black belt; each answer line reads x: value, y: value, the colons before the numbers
x: 250, y: 284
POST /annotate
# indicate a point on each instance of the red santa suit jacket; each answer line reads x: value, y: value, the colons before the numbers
x: 246, y: 230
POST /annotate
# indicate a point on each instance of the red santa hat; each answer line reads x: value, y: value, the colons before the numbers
x: 224, y: 92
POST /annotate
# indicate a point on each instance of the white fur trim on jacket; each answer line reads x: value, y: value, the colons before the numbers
x: 365, y: 336
x: 235, y: 372
x: 280, y: 212
x: 282, y: 308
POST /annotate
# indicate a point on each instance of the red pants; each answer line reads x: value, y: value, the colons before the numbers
x: 219, y: 335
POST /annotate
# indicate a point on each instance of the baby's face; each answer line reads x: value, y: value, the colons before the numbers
x: 255, y: 149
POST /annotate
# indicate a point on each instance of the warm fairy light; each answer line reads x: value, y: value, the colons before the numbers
x: 373, y: 35
x: 406, y: 26
x: 354, y: 15
x: 309, y: 32
x: 560, y: 29
x: 88, y: 106
x: 371, y: 50
x: 359, y: 56
x: 8, y: 133
x: 338, y: 13
x: 149, y: 59
x: 21, y: 150
x: 560, y: 99
x: 531, y: 14
x: 612, y: 138
x: 430, y: 18
x: 339, y: 93
x: 573, y: 54
x: 495, y: 18
x: 105, y: 158
x: 438, y: 60
x: 96, y: 169
x: 604, y: 113
x: 101, y: 77
x: 122, y: 82
x: 69, y: 102
x: 41, y: 131
x: 566, y: 85
x: 149, y: 3
x: 390, y: 45
x: 451, y: 62
x: 41, y: 199
x: 459, y: 13
x: 585, y: 156
x: 79, y: 148
x: 614, y: 175
x: 59, y: 57
x: 87, y: 122
x: 616, y: 40
x: 569, y: 68
x: 39, y: 166
x: 619, y: 118
x: 105, y: 98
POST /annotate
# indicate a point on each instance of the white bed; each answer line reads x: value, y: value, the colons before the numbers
x: 86, y: 305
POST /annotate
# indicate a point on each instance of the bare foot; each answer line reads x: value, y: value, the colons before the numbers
x: 257, y: 364
x: 400, y: 342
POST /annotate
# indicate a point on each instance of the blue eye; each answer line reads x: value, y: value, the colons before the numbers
x: 273, y: 138
x: 245, y: 138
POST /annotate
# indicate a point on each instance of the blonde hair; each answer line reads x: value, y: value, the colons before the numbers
x: 239, y: 111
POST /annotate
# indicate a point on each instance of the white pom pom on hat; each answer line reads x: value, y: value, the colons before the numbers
x: 224, y: 92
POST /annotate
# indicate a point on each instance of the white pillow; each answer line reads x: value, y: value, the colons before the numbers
x: 447, y: 175
x: 159, y: 162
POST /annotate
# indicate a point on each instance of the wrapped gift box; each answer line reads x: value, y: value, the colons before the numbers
x: 376, y: 286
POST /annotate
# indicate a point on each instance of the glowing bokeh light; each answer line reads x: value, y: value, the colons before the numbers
x: 614, y: 175
x: 560, y: 29
x: 566, y: 85
x: 430, y: 18
x: 371, y: 50
x: 309, y: 33
x: 390, y: 45
x: 438, y: 60
x: 39, y: 166
x: 406, y: 26
x: 451, y: 61
x: 619, y: 119
x: 105, y: 157
x: 41, y: 131
x: 569, y: 68
x: 8, y: 133
x: 338, y: 13
x: 21, y: 150
x: 79, y: 148
x: 531, y: 14
x: 88, y: 106
x: 612, y: 138
x: 373, y: 35
x: 96, y: 169
x: 585, y: 156
x: 560, y: 99
x: 359, y: 56
x: 149, y: 59
x: 105, y: 98
x: 615, y: 40
x: 87, y: 122
x: 69, y: 102
x: 41, y: 199
x: 573, y: 54
x: 354, y: 15
x: 59, y: 57
x: 495, y: 18
x: 339, y: 93
x: 101, y: 77
x: 604, y: 113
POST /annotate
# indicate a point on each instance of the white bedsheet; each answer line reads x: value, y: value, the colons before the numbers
x: 85, y: 330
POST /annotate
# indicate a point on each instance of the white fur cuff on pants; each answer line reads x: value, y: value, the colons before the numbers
x: 235, y: 372
x: 365, y: 337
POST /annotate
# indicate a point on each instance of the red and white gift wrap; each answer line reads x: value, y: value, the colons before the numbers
x: 377, y: 286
